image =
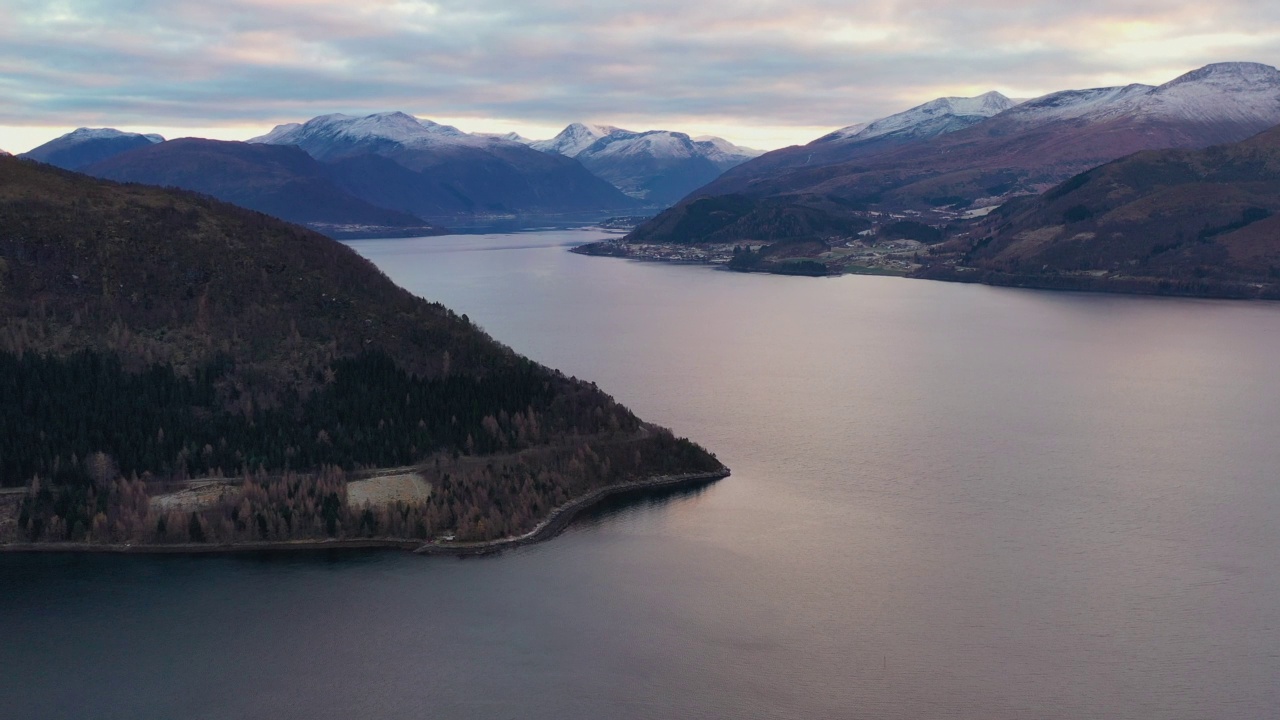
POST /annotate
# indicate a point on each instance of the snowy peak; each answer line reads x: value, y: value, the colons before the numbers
x: 509, y: 137
x: 653, y: 144
x: 575, y: 138
x: 84, y: 146
x: 936, y: 117
x: 664, y: 146
x: 1237, y: 92
x: 85, y: 134
x: 1234, y: 74
x: 337, y: 134
x: 718, y: 149
x: 1223, y: 92
x: 655, y: 166
x: 582, y: 140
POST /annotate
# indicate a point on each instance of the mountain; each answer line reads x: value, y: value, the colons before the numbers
x: 86, y: 146
x: 282, y: 181
x: 1024, y: 149
x: 150, y: 335
x: 510, y: 136
x: 575, y: 138
x: 657, y: 167
x: 1196, y: 222
x: 936, y: 117
x: 451, y: 173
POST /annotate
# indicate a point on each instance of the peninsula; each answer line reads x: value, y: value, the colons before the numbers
x: 179, y: 372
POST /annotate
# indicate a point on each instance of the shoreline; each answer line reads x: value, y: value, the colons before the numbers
x: 1149, y: 286
x: 556, y: 521
x: 562, y: 516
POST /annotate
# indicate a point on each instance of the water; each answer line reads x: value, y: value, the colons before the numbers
x: 948, y: 501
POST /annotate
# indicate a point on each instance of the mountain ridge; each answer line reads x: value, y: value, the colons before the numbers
x: 457, y: 173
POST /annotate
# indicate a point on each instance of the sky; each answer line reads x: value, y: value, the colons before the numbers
x: 760, y: 73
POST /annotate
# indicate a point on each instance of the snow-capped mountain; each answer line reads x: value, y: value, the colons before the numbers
x: 575, y: 138
x: 1234, y: 93
x: 936, y: 117
x: 656, y: 166
x: 331, y: 136
x: 510, y: 136
x: 664, y: 144
x: 897, y: 164
x: 721, y: 150
x: 85, y: 146
x: 437, y: 171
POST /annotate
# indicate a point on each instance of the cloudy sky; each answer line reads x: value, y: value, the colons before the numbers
x: 757, y: 72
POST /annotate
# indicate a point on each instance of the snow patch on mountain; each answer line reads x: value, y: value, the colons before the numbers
x: 936, y: 117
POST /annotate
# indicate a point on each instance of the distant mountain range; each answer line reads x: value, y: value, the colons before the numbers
x: 957, y: 153
x: 657, y: 167
x: 940, y: 162
x: 439, y: 172
x: 392, y: 173
x: 387, y: 173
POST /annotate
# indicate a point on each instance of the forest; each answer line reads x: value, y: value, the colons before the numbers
x: 152, y: 336
x: 91, y: 441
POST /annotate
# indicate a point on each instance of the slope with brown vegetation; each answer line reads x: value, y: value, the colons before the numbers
x: 1198, y: 222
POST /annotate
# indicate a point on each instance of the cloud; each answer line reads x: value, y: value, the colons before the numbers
x: 802, y: 64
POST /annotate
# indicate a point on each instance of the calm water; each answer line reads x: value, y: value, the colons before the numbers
x: 948, y: 501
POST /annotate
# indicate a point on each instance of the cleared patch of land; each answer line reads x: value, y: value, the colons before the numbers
x: 408, y: 487
x: 197, y: 496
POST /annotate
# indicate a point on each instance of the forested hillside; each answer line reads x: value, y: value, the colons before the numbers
x: 149, y: 336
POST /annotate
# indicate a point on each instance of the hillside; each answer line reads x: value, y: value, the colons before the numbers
x: 277, y: 180
x: 1196, y: 222
x: 150, y: 335
x: 1024, y: 148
